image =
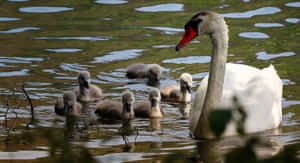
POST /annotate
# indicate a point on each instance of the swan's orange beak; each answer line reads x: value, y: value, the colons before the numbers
x: 189, y: 34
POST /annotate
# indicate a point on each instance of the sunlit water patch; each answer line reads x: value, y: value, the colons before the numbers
x: 23, y: 72
x: 254, y: 35
x: 188, y: 60
x: 75, y: 38
x: 119, y: 55
x: 251, y: 13
x: 292, y: 20
x: 268, y: 25
x: 6, y: 19
x: 111, y: 2
x: 293, y: 4
x: 42, y: 9
x: 167, y: 30
x: 265, y: 56
x: 23, y: 29
x: 23, y: 155
x: 169, y: 7
x: 64, y: 50
x: 75, y: 67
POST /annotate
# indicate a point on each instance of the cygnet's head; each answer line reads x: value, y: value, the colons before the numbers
x: 186, y: 81
x: 154, y: 96
x: 84, y: 79
x: 128, y: 100
x: 69, y: 101
x: 153, y: 73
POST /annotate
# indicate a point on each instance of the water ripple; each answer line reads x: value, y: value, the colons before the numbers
x: 168, y: 7
x: 22, y: 29
x: 293, y: 4
x: 23, y: 72
x: 292, y: 20
x: 268, y: 25
x: 189, y: 60
x: 254, y: 35
x: 19, y: 59
x: 167, y: 30
x: 75, y: 67
x: 119, y: 55
x: 42, y: 9
x: 65, y: 50
x: 75, y: 38
x: 111, y: 2
x: 265, y: 56
x: 251, y: 13
x: 4, y: 19
x: 23, y: 155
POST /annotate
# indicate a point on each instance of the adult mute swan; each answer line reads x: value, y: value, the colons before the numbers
x: 258, y: 91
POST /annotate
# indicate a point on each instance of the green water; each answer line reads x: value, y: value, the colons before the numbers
x: 89, y: 31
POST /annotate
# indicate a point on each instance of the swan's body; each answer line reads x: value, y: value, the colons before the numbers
x: 86, y: 92
x: 115, y: 110
x: 178, y: 93
x: 68, y: 104
x: 140, y: 70
x: 258, y: 91
x: 149, y: 108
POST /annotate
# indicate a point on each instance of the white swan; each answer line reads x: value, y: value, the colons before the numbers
x: 258, y: 91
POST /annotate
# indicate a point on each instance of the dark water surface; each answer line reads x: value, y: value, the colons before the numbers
x: 43, y: 45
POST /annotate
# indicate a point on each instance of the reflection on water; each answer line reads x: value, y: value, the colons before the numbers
x: 18, y: 0
x: 23, y: 72
x: 123, y: 157
x: 4, y: 19
x: 254, y: 35
x: 169, y: 7
x: 23, y: 155
x: 111, y: 2
x: 119, y: 55
x: 52, y: 71
x: 189, y: 60
x: 17, y: 30
x: 292, y: 20
x: 75, y: 38
x: 19, y: 59
x: 287, y: 82
x: 44, y: 9
x: 293, y: 4
x: 167, y: 30
x: 65, y: 50
x: 105, y: 36
x: 265, y: 56
x: 268, y: 25
x: 75, y: 67
x: 163, y: 46
x: 251, y: 13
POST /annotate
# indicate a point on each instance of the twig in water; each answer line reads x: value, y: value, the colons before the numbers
x: 31, y: 106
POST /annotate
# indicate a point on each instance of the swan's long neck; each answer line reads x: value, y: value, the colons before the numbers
x: 215, y: 82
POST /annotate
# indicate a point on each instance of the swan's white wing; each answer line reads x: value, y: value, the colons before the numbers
x: 258, y: 91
